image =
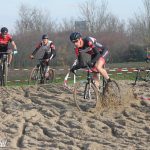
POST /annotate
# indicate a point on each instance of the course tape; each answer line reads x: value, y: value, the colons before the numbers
x: 144, y: 98
x: 118, y: 71
x: 130, y: 70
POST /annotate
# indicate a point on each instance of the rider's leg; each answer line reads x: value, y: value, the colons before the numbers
x: 96, y: 78
x: 46, y: 62
x: 9, y: 57
x: 100, y: 67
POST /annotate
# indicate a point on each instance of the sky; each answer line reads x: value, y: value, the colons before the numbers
x: 59, y: 9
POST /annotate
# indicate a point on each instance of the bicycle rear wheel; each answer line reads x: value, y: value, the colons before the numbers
x: 35, y: 76
x: 86, y: 96
x: 111, y: 93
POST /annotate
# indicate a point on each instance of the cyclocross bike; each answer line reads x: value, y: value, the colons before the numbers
x: 88, y: 97
x: 3, y: 68
x: 40, y: 74
x: 142, y: 75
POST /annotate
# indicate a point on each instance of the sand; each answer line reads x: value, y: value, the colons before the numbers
x: 46, y: 118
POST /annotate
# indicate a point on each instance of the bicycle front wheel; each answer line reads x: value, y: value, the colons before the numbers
x: 5, y: 73
x: 1, y: 76
x: 147, y: 77
x: 35, y: 76
x: 86, y: 96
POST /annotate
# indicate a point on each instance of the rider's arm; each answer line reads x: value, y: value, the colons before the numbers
x: 99, y: 51
x: 53, y: 51
x: 36, y: 49
x: 95, y: 49
x: 12, y: 42
x: 14, y: 45
x: 80, y: 63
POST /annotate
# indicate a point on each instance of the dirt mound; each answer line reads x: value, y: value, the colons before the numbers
x: 47, y: 118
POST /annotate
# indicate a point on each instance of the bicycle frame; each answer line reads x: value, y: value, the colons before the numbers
x: 41, y: 68
x: 90, y: 79
x: 38, y: 73
x: 3, y: 68
x: 139, y: 77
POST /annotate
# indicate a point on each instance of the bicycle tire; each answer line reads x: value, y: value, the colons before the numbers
x: 147, y: 77
x: 50, y: 77
x: 35, y: 76
x: 86, y: 96
x: 5, y: 73
x: 111, y: 93
x: 136, y: 78
x: 1, y: 76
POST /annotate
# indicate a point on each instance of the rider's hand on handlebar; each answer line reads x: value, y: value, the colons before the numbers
x: 31, y: 56
x: 147, y: 59
x: 15, y: 52
x: 47, y: 60
x: 90, y: 64
x: 72, y: 69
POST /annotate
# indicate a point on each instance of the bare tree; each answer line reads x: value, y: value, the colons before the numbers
x: 66, y: 25
x: 98, y: 18
x: 88, y: 11
x: 139, y: 27
x: 102, y: 16
x: 33, y: 19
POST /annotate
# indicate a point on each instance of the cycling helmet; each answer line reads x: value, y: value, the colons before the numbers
x: 44, y: 36
x: 4, y: 30
x: 74, y: 36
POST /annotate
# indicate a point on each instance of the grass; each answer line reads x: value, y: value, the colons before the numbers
x: 60, y: 74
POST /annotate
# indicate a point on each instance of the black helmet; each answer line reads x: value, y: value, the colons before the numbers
x: 4, y: 30
x: 44, y: 36
x: 74, y: 36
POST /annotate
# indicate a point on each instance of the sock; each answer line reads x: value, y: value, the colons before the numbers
x: 108, y: 80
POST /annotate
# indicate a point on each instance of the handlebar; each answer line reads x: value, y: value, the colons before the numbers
x: 40, y: 59
x: 8, y: 52
x: 148, y: 60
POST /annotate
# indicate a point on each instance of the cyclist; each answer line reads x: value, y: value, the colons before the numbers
x: 5, y: 39
x: 147, y: 55
x: 99, y: 55
x: 48, y: 47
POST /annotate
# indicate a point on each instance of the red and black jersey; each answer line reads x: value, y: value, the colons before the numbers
x: 93, y: 48
x: 4, y: 41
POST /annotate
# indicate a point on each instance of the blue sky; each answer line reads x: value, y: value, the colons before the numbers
x: 60, y: 9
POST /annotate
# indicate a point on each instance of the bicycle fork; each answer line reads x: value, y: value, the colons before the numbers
x: 87, y: 92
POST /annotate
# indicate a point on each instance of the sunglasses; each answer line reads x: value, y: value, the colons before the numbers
x: 75, y: 41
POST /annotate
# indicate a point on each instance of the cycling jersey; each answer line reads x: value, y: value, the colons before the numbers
x: 4, y: 41
x: 93, y: 48
x: 49, y: 49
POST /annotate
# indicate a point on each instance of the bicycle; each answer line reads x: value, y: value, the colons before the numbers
x: 3, y: 68
x: 142, y: 75
x: 40, y: 74
x: 87, y: 95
